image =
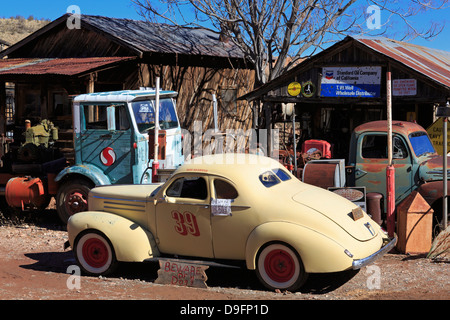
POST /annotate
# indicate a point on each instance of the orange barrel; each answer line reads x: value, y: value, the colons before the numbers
x: 25, y: 191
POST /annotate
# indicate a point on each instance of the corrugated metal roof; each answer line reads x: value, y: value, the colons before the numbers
x: 163, y: 38
x: 55, y: 66
x: 432, y: 63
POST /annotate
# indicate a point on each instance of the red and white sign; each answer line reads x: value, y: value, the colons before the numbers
x: 108, y: 156
x: 404, y: 87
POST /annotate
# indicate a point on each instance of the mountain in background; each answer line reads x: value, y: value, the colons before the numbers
x: 14, y: 29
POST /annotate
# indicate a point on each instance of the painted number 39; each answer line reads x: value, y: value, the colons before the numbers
x: 186, y: 223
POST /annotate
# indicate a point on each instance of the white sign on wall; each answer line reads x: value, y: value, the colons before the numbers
x: 404, y: 87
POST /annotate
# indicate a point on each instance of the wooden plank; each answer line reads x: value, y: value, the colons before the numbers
x: 182, y: 274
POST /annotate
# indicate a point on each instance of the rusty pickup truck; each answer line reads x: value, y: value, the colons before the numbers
x: 417, y: 165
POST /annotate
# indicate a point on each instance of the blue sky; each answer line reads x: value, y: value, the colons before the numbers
x: 52, y: 9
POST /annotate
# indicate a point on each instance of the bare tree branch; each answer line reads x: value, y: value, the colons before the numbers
x: 275, y: 34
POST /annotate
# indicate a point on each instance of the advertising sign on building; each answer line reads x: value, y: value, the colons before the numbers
x: 357, y: 82
x: 404, y: 87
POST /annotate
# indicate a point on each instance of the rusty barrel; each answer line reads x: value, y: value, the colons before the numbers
x: 374, y: 206
x: 21, y: 192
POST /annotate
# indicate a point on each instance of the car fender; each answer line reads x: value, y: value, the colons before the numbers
x: 432, y: 191
x: 89, y: 171
x: 131, y: 242
x: 318, y: 252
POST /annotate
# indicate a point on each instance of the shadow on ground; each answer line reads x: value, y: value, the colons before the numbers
x: 217, y: 276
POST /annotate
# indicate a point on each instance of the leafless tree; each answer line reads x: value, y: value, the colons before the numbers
x: 277, y: 34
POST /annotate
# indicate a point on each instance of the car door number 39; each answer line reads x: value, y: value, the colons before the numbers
x: 186, y: 223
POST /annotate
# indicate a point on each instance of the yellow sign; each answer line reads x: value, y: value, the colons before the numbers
x: 435, y: 133
x: 294, y: 88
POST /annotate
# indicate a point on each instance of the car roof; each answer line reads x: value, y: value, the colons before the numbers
x: 403, y: 127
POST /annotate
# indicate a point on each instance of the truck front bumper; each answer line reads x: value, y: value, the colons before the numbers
x: 358, y: 264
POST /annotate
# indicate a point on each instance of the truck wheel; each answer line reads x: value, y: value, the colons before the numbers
x: 279, y: 267
x: 72, y: 197
x: 94, y: 253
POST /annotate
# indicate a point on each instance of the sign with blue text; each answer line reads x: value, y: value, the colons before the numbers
x: 356, y: 82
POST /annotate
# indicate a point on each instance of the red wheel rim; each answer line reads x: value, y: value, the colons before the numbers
x: 95, y: 253
x: 279, y: 265
x: 76, y: 202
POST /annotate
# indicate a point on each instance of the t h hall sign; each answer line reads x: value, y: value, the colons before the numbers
x: 357, y: 82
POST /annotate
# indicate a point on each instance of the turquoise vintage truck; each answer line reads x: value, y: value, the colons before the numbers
x: 113, y: 143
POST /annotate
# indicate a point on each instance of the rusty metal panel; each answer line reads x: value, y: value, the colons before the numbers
x: 433, y: 63
x: 57, y: 66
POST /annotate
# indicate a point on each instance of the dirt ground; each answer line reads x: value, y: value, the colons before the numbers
x: 34, y: 266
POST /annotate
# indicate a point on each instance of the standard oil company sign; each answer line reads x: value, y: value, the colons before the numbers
x: 357, y: 82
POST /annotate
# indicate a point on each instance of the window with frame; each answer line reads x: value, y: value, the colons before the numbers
x: 224, y: 190
x: 375, y: 147
x: 188, y: 187
x: 96, y: 117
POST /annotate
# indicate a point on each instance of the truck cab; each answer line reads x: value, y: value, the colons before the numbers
x: 417, y: 165
x: 113, y: 142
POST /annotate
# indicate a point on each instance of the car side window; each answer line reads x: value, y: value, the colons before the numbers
x: 399, y: 149
x: 224, y: 190
x: 375, y: 147
x: 188, y: 187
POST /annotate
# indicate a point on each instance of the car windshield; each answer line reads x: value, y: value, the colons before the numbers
x: 421, y: 143
x: 144, y: 113
x: 273, y: 177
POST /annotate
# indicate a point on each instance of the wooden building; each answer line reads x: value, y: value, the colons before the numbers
x: 345, y: 85
x: 68, y: 57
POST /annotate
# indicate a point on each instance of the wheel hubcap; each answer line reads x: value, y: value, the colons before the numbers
x: 76, y: 202
x: 95, y: 253
x: 279, y: 265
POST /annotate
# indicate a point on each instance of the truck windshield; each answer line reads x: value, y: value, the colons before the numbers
x: 144, y: 113
x: 421, y: 143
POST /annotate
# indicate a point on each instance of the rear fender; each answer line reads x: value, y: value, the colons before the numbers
x: 317, y: 252
x: 131, y: 242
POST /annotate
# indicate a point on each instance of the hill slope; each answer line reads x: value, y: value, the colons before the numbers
x: 14, y: 29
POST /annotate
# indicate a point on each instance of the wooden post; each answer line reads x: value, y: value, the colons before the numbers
x: 91, y: 84
x: 444, y: 164
x: 155, y: 164
x: 2, y: 107
x: 390, y: 170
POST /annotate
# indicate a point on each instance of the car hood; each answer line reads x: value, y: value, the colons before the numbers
x: 120, y: 197
x: 339, y: 210
x: 134, y: 191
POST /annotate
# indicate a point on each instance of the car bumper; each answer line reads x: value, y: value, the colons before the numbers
x: 358, y: 264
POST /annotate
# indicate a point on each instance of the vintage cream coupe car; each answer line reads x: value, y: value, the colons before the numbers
x: 233, y: 209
